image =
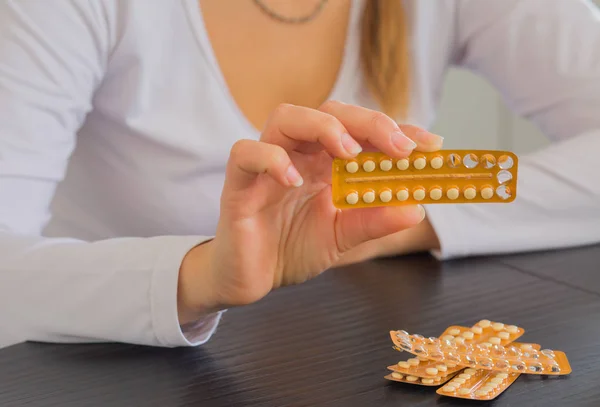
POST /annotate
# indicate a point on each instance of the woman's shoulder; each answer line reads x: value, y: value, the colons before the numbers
x: 107, y: 22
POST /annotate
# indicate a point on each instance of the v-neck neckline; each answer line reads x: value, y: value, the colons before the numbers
x: 197, y: 22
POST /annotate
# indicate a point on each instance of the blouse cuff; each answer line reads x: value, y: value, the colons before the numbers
x: 169, y: 332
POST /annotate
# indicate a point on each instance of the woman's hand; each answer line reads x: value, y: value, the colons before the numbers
x: 277, y: 224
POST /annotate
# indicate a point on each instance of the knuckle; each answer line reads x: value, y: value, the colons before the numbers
x: 282, y: 109
x: 277, y: 157
x: 238, y: 149
x: 330, y: 105
x: 327, y: 121
x: 329, y: 126
x: 379, y: 119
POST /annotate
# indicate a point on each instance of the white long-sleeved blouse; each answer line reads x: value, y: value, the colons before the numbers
x: 116, y: 124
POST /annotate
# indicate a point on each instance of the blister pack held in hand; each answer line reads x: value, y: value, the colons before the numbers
x: 441, y: 177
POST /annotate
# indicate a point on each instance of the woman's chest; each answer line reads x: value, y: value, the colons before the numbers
x: 264, y: 61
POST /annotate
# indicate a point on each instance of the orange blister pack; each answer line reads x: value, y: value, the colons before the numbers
x: 424, y: 367
x: 485, y: 355
x: 480, y: 362
x: 430, y: 372
x: 446, y: 176
x: 485, y: 332
x: 480, y: 384
x: 422, y: 371
x: 485, y: 335
x: 422, y: 381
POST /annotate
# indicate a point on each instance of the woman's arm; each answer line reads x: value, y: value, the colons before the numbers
x: 52, y: 58
x: 277, y: 225
x: 544, y: 57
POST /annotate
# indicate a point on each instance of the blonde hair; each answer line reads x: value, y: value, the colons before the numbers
x: 385, y: 55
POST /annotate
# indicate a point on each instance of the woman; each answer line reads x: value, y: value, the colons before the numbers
x: 183, y: 149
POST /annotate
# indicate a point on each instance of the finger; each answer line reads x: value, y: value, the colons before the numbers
x: 291, y: 126
x: 376, y: 129
x: 371, y: 127
x: 426, y: 141
x: 357, y: 226
x: 249, y: 159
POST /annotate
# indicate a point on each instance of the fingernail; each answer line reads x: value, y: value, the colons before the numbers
x: 293, y: 176
x: 426, y: 137
x: 422, y: 209
x: 401, y: 142
x: 350, y: 145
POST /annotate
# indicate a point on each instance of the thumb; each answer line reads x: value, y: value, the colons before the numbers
x: 356, y: 226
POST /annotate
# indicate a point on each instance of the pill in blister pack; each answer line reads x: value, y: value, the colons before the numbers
x: 491, y: 355
x: 447, y: 176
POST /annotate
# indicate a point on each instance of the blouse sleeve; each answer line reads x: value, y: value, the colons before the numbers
x: 544, y: 58
x: 53, y: 55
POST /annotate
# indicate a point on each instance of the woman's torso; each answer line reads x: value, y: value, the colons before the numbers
x: 151, y: 155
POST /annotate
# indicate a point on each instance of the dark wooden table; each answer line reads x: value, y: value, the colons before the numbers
x: 326, y: 343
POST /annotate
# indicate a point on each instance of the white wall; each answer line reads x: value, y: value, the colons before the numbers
x: 469, y: 114
x: 473, y: 115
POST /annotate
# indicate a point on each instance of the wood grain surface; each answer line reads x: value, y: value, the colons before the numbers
x: 326, y: 343
x: 558, y: 265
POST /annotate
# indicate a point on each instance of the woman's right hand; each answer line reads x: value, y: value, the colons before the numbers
x: 277, y: 224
